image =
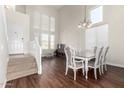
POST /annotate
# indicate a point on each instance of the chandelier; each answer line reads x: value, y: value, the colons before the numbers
x: 10, y: 7
x: 86, y: 23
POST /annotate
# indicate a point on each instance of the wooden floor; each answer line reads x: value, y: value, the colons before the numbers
x: 54, y: 77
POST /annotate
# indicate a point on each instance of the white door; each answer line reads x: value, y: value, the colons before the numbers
x: 18, y: 32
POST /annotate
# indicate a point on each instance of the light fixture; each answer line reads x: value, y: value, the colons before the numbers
x: 86, y: 23
x: 10, y: 7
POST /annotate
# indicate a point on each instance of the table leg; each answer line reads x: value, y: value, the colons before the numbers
x: 86, y: 68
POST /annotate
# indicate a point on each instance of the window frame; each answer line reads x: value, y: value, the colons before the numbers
x: 42, y: 42
x: 89, y: 13
x: 49, y: 32
x: 52, y: 41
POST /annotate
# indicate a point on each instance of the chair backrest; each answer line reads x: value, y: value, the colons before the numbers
x: 60, y: 46
x: 105, y: 51
x: 98, y: 55
x: 70, y: 53
x: 95, y: 48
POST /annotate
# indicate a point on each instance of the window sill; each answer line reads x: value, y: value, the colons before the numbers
x: 97, y: 24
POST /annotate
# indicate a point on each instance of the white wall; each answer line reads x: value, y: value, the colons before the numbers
x: 113, y: 16
x: 70, y: 34
x: 3, y: 48
x: 96, y: 36
x: 17, y: 22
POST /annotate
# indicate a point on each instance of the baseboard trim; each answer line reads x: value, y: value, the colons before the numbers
x: 117, y: 65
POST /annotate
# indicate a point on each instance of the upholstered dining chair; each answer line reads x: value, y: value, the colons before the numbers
x: 103, y: 59
x: 72, y: 62
x: 94, y: 51
x: 96, y: 63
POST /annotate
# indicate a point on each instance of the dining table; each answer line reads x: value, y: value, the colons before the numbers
x: 85, y: 55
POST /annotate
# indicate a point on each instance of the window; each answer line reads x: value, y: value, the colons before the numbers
x: 52, y: 38
x: 47, y: 32
x: 96, y: 15
x: 52, y: 32
x: 45, y: 41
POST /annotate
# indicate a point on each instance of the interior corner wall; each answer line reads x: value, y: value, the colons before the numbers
x: 113, y: 15
x: 70, y: 34
x: 20, y: 8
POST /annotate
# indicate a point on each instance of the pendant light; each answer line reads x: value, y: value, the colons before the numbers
x: 86, y: 23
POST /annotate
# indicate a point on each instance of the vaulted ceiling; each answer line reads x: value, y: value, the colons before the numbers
x: 57, y: 7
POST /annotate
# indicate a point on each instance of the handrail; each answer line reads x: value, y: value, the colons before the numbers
x: 36, y: 51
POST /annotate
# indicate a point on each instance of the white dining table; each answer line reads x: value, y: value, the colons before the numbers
x: 86, y: 56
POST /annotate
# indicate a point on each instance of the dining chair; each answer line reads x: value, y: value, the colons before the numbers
x: 96, y: 63
x: 95, y: 48
x: 72, y: 62
x: 103, y: 59
x: 94, y: 51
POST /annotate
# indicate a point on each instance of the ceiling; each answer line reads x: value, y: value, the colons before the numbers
x: 57, y: 7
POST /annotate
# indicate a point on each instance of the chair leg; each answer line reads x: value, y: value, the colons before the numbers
x: 83, y: 70
x: 105, y: 67
x: 100, y: 71
x: 95, y: 73
x: 74, y: 74
x: 66, y: 71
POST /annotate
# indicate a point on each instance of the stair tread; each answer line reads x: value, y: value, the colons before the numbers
x: 20, y: 68
x: 21, y: 74
x: 20, y: 59
x: 21, y: 65
x: 14, y: 63
x: 21, y: 56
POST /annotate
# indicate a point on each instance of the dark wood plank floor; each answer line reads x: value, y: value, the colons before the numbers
x: 53, y: 77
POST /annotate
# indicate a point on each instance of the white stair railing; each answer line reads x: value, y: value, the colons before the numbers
x: 36, y: 51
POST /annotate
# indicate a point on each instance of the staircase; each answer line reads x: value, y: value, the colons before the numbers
x: 21, y: 65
